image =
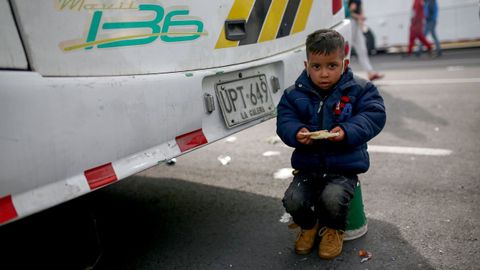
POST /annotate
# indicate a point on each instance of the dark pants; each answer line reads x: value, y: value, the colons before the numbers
x: 323, y: 197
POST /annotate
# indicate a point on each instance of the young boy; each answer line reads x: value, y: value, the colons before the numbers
x: 326, y: 96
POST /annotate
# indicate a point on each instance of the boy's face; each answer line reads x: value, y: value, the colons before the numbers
x: 325, y: 70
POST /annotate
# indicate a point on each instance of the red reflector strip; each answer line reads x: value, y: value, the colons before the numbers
x: 191, y: 140
x: 7, y: 209
x: 336, y: 6
x: 100, y: 176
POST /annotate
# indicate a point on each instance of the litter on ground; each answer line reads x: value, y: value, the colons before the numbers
x: 224, y: 159
x: 365, y: 255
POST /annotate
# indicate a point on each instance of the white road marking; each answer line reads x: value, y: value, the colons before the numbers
x: 455, y: 68
x: 428, y: 81
x: 409, y: 150
x: 283, y: 173
x: 271, y: 153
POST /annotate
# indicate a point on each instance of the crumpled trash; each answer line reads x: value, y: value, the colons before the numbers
x: 286, y: 217
x: 224, y: 159
x: 171, y: 161
x: 365, y: 255
x: 231, y: 139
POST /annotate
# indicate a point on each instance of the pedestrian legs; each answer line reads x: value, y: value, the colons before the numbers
x: 358, y: 42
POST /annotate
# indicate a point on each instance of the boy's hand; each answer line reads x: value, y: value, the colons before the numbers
x: 338, y: 138
x: 302, y: 138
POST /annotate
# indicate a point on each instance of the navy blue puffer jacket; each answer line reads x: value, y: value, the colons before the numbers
x: 353, y: 104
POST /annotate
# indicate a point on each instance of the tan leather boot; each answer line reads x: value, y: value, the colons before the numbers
x: 331, y: 244
x: 305, y: 240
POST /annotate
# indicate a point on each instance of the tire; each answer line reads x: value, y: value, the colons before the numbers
x: 370, y: 41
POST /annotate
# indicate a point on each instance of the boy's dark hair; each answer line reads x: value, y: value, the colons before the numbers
x: 325, y: 41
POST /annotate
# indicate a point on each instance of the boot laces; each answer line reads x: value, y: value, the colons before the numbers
x: 301, y: 234
x: 330, y: 235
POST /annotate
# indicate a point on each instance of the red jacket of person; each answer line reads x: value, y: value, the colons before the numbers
x: 417, y: 16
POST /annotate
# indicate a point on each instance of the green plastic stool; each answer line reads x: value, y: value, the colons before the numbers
x: 356, y: 220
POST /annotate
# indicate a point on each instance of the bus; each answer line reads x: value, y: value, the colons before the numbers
x: 388, y: 23
x: 94, y: 91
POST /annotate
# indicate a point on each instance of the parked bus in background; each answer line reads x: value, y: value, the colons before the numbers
x: 388, y: 23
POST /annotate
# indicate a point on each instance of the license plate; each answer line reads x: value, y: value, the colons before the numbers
x: 244, y: 100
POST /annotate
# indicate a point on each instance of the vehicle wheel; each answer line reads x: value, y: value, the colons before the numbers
x: 370, y: 41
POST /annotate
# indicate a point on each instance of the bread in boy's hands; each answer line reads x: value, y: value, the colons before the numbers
x: 321, y: 134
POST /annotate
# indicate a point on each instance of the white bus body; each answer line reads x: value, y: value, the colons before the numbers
x: 389, y: 20
x: 93, y: 91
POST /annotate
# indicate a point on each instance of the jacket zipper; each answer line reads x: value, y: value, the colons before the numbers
x: 320, y: 108
x: 320, y: 115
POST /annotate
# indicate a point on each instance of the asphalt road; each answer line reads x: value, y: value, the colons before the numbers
x: 421, y: 194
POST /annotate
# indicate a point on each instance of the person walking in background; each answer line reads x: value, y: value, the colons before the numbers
x: 416, y: 27
x: 353, y: 10
x: 431, y: 14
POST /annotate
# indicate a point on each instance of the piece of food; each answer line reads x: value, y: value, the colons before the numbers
x: 321, y: 134
x: 366, y: 255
